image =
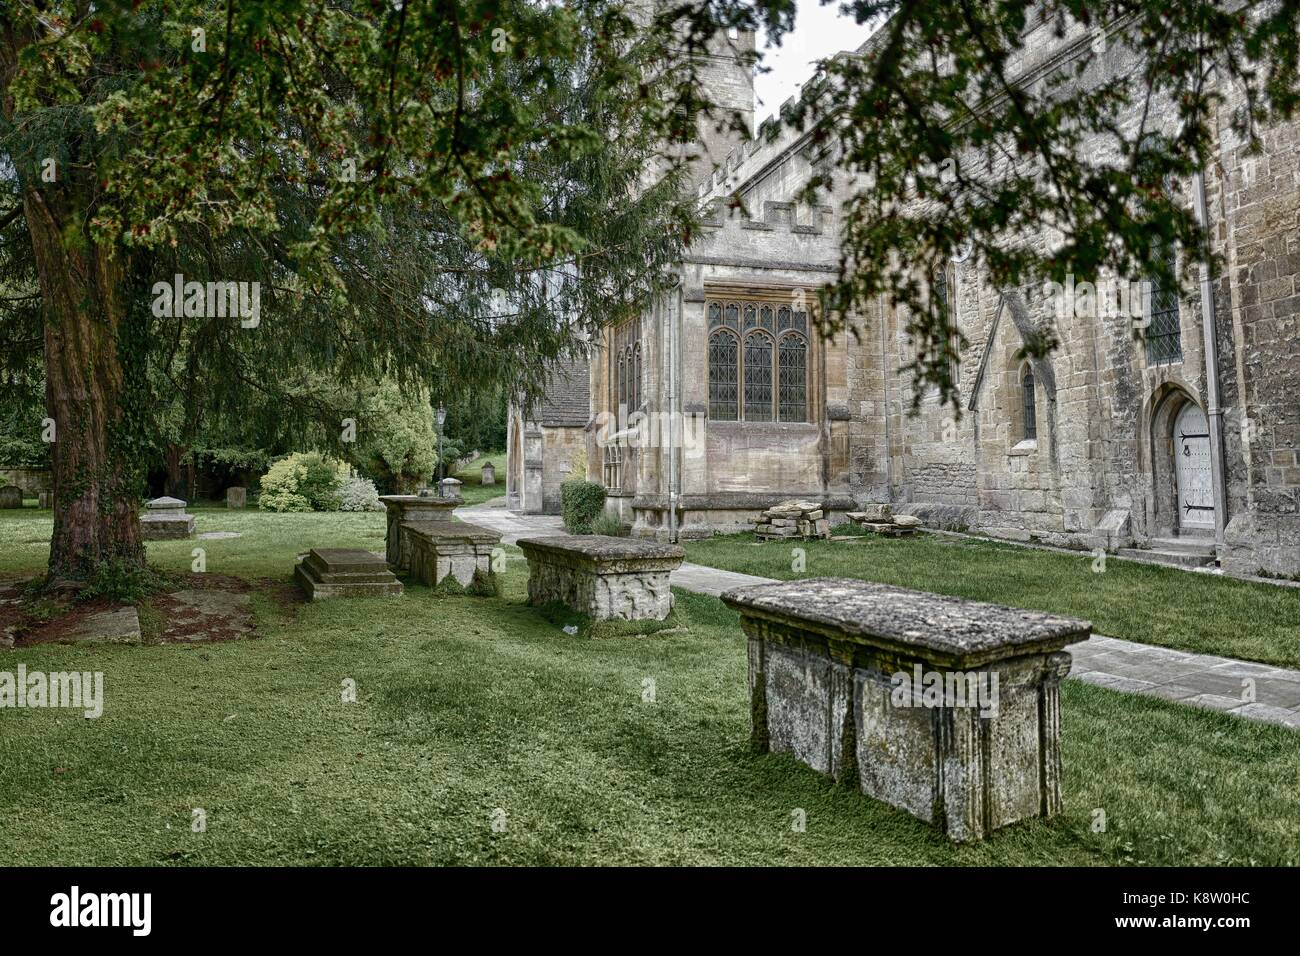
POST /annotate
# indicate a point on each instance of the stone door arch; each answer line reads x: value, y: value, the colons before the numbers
x: 1182, y: 499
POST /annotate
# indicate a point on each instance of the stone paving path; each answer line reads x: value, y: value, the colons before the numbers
x: 1200, y: 680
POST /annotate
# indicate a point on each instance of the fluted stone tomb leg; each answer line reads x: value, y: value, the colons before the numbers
x: 948, y: 709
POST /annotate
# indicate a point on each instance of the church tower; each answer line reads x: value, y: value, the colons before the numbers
x: 726, y: 72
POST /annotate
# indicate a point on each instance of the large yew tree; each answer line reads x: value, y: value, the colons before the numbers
x: 443, y: 193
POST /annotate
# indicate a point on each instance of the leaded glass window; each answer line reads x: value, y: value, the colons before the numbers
x: 636, y: 375
x: 724, y: 369
x: 1164, y: 334
x: 758, y: 377
x: 1030, y: 413
x: 625, y: 367
x: 793, y: 384
x: 759, y: 373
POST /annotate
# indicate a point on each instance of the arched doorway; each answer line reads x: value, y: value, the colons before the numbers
x: 1195, y: 481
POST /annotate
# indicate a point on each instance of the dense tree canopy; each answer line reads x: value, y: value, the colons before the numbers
x: 441, y: 193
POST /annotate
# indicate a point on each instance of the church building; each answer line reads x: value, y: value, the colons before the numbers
x: 1181, y: 444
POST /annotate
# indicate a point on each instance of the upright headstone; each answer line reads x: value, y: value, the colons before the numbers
x: 449, y: 488
x: 45, y: 499
x: 165, y: 520
x: 236, y: 497
x: 11, y: 496
x: 489, y: 474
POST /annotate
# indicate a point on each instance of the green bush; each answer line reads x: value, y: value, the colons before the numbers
x: 304, y: 481
x: 607, y: 524
x: 116, y: 579
x: 581, y: 503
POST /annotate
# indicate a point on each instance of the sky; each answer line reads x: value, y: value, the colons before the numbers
x: 819, y: 32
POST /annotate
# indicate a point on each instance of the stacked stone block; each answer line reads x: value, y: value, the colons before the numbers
x: 793, y: 519
x: 882, y: 520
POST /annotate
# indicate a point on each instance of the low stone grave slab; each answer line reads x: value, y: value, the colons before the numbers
x: 219, y: 535
x: 946, y: 708
x: 345, y: 572
x: 452, y: 549
x: 166, y: 520
x: 118, y: 626
x: 602, y: 577
x: 412, y: 510
x: 206, y: 614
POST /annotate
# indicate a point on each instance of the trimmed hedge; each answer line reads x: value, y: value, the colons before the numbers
x: 581, y: 503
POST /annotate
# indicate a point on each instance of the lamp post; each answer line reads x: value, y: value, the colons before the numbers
x: 442, y: 417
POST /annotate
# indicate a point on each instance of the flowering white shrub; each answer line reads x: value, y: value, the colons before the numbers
x: 359, y: 494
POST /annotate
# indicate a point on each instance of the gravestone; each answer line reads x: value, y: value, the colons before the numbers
x: 236, y: 498
x: 45, y: 499
x: 166, y: 520
x: 11, y: 496
x: 449, y: 488
x: 345, y: 572
x: 489, y: 474
x: 946, y: 708
x: 601, y: 576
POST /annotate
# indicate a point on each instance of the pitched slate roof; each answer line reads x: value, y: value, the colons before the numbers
x: 567, y: 399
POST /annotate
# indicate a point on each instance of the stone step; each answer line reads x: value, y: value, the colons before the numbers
x: 1178, y: 559
x: 345, y: 561
x: 331, y: 572
x: 1202, y: 546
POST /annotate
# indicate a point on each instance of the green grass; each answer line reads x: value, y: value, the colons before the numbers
x: 1138, y: 602
x: 467, y: 705
x: 473, y: 491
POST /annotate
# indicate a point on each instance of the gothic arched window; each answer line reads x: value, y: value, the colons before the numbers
x: 1030, y: 411
x: 758, y: 362
x: 792, y: 368
x: 636, y: 375
x: 758, y: 377
x: 724, y: 371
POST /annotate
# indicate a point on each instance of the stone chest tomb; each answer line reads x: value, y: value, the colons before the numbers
x: 603, y: 577
x: 166, y: 519
x: 946, y: 708
x: 452, y: 549
x: 417, y: 510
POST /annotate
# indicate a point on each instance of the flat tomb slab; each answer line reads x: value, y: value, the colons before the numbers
x: 345, y: 572
x: 603, y: 577
x: 948, y: 709
x: 934, y: 627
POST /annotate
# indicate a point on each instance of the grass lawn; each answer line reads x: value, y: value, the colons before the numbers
x: 470, y: 705
x: 473, y: 490
x: 1138, y: 602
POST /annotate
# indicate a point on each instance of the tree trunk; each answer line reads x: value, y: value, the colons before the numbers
x: 83, y: 289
